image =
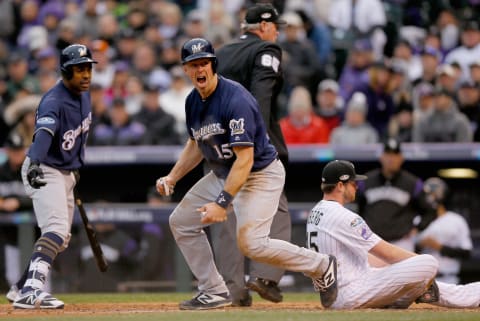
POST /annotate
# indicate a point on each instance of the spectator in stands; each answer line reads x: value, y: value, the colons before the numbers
x: 355, y: 130
x: 104, y: 70
x: 475, y: 71
x: 403, y: 51
x: 47, y: 59
x: 12, y: 199
x: 363, y: 19
x: 447, y: 79
x: 469, y: 51
x: 423, y: 100
x: 319, y: 35
x: 302, y: 126
x: 122, y: 131
x: 173, y: 99
x: 126, y: 44
x: 448, y: 29
x: 329, y: 103
x: 134, y: 98
x: 391, y: 197
x: 401, y: 123
x: 19, y: 82
x: 47, y: 79
x: 431, y: 59
x: 379, y: 100
x: 118, y: 87
x: 100, y: 109
x: 355, y: 71
x: 399, y: 85
x: 444, y: 124
x: 108, y: 29
x: 170, y: 21
x: 300, y: 63
x: 447, y: 237
x: 160, y: 125
x: 145, y: 66
x: 194, y: 24
x: 28, y: 19
x: 468, y: 97
x: 50, y: 15
x: 86, y: 19
x: 20, y: 116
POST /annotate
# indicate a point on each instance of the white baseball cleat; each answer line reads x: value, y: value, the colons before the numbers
x: 37, y: 299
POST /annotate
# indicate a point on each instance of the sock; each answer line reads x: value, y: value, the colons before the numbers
x: 45, y: 250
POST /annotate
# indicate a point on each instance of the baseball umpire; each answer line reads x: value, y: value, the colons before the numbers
x: 257, y: 66
x: 227, y: 130
x: 50, y: 170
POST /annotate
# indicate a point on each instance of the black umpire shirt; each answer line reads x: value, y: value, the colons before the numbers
x: 255, y: 64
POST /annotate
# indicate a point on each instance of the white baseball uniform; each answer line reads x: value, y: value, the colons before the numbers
x: 450, y: 229
x: 333, y: 229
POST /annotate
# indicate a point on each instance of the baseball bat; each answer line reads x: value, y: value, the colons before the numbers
x: 102, y: 263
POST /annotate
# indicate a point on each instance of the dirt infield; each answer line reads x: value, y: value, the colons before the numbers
x: 6, y: 310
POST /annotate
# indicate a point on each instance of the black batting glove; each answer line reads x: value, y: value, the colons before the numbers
x: 35, y: 175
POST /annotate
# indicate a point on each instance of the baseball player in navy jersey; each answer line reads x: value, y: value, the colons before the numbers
x: 50, y: 171
x: 373, y: 273
x: 227, y: 131
x: 257, y: 66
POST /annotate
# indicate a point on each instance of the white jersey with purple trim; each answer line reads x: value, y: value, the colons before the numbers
x: 333, y: 229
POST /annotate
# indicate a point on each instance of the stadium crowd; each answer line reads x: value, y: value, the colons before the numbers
x: 356, y: 72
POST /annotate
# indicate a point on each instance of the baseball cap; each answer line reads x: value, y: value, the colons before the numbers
x: 340, y: 171
x: 292, y: 19
x: 361, y: 45
x: 470, y: 25
x: 392, y: 145
x: 263, y: 12
x: 328, y: 84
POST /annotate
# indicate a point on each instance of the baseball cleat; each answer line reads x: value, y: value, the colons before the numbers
x: 206, y: 301
x: 37, y: 299
x: 327, y: 283
x: 12, y: 294
x: 431, y: 295
x: 245, y: 301
x: 267, y: 289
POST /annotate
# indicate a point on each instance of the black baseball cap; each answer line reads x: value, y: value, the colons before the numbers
x: 340, y: 171
x: 392, y: 145
x: 263, y: 12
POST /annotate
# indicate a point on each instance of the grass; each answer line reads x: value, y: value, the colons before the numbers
x: 146, y: 307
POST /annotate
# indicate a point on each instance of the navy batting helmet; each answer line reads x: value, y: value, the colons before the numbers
x: 74, y: 55
x: 198, y: 48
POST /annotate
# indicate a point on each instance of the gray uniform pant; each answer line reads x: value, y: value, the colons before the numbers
x: 231, y: 262
x: 53, y: 203
x: 255, y: 206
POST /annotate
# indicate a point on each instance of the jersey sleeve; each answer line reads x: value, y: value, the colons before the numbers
x: 357, y: 235
x: 266, y: 71
x: 47, y: 116
x: 242, y: 122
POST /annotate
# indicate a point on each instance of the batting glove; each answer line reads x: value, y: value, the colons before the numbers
x: 35, y: 175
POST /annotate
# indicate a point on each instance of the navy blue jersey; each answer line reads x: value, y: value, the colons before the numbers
x: 228, y: 117
x: 67, y: 118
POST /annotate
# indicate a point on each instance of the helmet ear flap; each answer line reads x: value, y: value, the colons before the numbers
x: 67, y: 72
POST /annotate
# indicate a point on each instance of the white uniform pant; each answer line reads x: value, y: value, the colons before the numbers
x: 459, y: 296
x: 397, y: 285
x: 255, y: 206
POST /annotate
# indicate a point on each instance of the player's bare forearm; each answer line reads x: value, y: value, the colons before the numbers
x: 240, y: 170
x: 189, y: 158
x: 390, y: 253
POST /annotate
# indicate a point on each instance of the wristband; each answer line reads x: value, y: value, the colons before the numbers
x: 224, y: 199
